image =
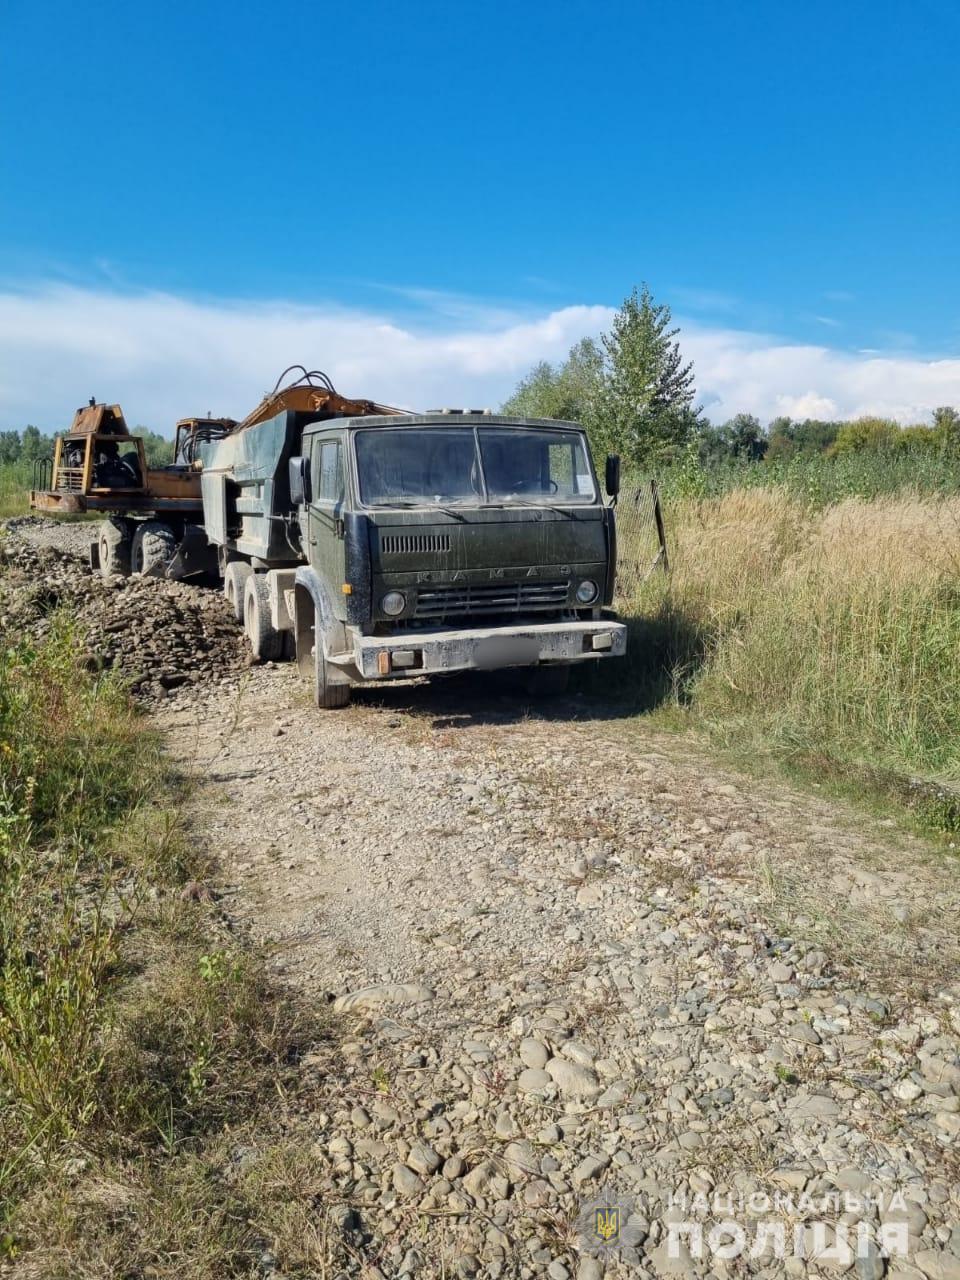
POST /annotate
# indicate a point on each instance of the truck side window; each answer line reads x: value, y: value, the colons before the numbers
x: 330, y: 488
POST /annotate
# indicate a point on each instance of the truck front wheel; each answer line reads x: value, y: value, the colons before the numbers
x: 327, y: 696
x: 265, y: 641
x: 313, y: 665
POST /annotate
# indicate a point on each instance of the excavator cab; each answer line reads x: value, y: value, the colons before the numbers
x: 94, y: 459
x: 193, y: 432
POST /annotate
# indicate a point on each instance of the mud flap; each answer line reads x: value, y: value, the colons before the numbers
x: 194, y: 555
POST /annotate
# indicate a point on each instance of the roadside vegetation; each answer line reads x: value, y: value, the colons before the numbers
x: 139, y: 1042
x: 14, y: 488
x: 825, y: 636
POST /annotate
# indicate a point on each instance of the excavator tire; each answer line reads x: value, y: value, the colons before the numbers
x: 114, y: 538
x: 234, y: 585
x: 265, y: 642
x: 154, y: 546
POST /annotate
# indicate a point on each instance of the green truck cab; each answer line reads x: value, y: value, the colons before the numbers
x: 380, y: 547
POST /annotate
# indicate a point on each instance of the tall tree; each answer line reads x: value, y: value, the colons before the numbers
x: 648, y: 389
x: 746, y: 437
x: 33, y: 444
x: 946, y: 424
x: 632, y: 390
x: 9, y: 446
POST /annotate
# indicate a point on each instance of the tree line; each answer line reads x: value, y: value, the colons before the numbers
x: 634, y: 393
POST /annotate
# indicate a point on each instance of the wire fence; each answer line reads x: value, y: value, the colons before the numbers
x: 641, y: 539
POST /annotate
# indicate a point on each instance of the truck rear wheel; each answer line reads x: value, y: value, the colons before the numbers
x: 154, y: 546
x: 265, y: 642
x: 234, y: 585
x: 113, y: 544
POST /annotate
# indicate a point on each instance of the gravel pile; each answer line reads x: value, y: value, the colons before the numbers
x: 162, y: 636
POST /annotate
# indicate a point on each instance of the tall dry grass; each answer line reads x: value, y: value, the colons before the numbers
x: 831, y: 632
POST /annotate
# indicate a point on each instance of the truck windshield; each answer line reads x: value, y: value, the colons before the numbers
x: 438, y: 465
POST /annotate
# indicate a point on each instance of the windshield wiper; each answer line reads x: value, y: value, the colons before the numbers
x: 525, y: 502
x: 407, y: 504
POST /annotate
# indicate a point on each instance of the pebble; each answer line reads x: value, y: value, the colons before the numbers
x: 572, y: 1079
x: 405, y: 1181
x: 387, y: 993
x: 423, y: 1159
x: 534, y: 1081
x: 533, y: 1054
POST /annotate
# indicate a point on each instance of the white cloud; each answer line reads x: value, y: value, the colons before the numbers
x: 164, y: 357
x: 754, y: 373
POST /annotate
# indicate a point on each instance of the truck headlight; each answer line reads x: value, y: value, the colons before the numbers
x: 393, y: 602
x: 587, y: 592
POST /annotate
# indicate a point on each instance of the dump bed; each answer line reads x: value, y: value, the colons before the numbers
x: 246, y: 489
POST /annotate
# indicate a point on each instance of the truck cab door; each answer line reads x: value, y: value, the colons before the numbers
x: 326, y: 532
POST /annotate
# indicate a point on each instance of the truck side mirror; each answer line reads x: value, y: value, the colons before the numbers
x: 612, y: 478
x: 301, y: 488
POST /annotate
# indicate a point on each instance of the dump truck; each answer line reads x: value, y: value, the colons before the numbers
x: 372, y: 544
x: 153, y: 515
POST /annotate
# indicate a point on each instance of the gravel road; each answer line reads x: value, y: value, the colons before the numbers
x: 570, y: 960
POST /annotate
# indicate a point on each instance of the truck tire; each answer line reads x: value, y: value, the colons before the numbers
x: 113, y: 541
x: 234, y: 585
x: 327, y: 696
x: 549, y: 681
x: 154, y: 546
x: 311, y: 662
x: 265, y: 642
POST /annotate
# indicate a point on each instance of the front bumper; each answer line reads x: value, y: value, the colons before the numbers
x: 486, y: 648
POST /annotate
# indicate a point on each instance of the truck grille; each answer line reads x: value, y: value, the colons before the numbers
x: 500, y: 597
x: 402, y: 543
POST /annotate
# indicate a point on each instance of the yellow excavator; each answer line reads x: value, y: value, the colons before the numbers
x: 154, y: 515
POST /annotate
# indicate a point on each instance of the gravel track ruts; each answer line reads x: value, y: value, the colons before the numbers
x: 578, y: 956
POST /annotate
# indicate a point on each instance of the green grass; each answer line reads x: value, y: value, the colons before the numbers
x: 135, y: 1034
x: 821, y: 481
x: 15, y: 484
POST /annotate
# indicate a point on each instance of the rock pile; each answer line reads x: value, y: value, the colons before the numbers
x: 161, y: 636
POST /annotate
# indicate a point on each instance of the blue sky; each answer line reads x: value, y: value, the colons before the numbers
x: 785, y: 175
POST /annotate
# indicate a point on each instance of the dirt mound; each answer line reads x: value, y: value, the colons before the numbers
x: 162, y: 636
